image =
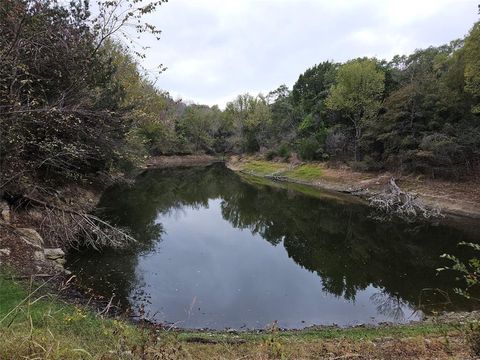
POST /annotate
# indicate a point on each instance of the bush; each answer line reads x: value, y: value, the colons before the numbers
x: 438, y: 155
x: 310, y: 149
x: 283, y: 151
x: 367, y: 164
x: 271, y: 154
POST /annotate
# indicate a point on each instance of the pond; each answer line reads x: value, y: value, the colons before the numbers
x: 218, y: 250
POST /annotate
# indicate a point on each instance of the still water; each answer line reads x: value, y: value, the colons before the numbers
x: 218, y: 251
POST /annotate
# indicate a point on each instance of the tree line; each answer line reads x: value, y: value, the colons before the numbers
x: 75, y: 105
x: 416, y: 113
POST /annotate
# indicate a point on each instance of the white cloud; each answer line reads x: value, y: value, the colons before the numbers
x: 216, y: 49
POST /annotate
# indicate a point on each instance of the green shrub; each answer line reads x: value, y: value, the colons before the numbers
x: 309, y: 149
x: 283, y: 151
x: 271, y: 154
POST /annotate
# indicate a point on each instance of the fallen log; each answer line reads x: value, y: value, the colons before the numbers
x: 394, y: 202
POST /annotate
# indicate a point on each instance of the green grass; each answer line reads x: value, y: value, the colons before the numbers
x: 334, y: 333
x: 306, y: 172
x: 41, y: 326
x: 260, y: 167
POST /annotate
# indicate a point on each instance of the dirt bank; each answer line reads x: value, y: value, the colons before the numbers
x: 181, y: 160
x: 459, y: 199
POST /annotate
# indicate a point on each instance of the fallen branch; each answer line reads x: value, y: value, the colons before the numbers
x: 78, y: 228
x: 393, y: 201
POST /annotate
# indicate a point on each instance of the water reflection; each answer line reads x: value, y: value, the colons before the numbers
x: 216, y: 250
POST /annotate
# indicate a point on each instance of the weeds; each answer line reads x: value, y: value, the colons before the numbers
x: 473, y: 337
x: 273, y: 344
x: 306, y: 172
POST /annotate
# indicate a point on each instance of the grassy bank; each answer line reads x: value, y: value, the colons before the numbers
x: 41, y: 326
x: 304, y: 172
x: 35, y: 324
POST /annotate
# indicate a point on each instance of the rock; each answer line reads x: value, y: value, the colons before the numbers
x: 59, y: 268
x: 31, y: 237
x: 60, y: 261
x: 5, y: 212
x: 54, y: 254
x: 39, y: 256
x: 5, y: 252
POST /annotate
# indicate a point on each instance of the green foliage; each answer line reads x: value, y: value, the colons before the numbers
x: 199, y: 125
x: 368, y: 164
x: 309, y: 148
x: 472, y: 66
x: 58, y: 106
x: 250, y: 119
x: 74, y: 104
x: 411, y: 114
x: 357, y: 94
x: 469, y: 273
x: 313, y: 86
x: 469, y: 270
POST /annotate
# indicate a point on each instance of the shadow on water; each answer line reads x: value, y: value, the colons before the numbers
x: 201, y: 259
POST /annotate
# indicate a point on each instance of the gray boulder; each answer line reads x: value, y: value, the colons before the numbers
x: 31, y: 237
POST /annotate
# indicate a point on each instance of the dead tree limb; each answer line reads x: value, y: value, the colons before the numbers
x: 74, y: 228
x: 393, y: 201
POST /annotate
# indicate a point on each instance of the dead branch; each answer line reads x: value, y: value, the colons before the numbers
x: 393, y: 201
x: 67, y: 226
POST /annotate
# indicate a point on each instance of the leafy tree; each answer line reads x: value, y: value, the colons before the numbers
x: 472, y: 66
x: 358, y: 94
x: 250, y: 118
x: 67, y: 94
x: 200, y: 125
x: 313, y: 86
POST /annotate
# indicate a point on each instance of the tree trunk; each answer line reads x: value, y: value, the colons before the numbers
x: 358, y: 133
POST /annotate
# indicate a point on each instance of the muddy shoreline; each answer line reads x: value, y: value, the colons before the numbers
x: 456, y: 200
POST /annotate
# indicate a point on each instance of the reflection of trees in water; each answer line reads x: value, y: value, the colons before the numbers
x: 391, y: 306
x: 338, y: 241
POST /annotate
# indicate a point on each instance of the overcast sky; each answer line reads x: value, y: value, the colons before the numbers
x: 217, y: 49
